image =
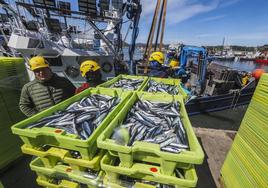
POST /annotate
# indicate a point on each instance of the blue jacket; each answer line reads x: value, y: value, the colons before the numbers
x: 157, y: 70
x: 158, y: 73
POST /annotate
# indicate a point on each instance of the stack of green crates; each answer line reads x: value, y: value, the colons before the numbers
x: 145, y: 160
x: 246, y: 164
x: 13, y: 76
x: 56, y: 160
x: 52, y: 183
x: 64, y: 175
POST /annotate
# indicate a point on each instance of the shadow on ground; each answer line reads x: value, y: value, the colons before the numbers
x: 19, y: 174
x: 204, y: 175
x: 226, y: 120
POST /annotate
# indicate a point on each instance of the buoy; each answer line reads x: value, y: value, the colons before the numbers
x: 257, y: 73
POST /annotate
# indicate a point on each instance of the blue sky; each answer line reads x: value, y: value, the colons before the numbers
x: 206, y: 22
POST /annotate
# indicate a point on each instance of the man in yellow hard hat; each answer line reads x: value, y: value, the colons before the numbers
x: 156, y: 62
x: 46, y: 90
x: 92, y: 72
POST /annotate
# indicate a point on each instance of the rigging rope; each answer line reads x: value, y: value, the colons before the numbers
x: 161, y: 27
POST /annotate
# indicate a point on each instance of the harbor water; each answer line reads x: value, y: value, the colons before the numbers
x: 241, y: 65
x: 237, y: 64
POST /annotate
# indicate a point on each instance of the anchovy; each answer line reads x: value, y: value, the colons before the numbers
x: 154, y: 86
x: 127, y: 83
x: 81, y: 117
x: 158, y: 123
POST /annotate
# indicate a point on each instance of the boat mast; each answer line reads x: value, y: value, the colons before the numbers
x: 223, y: 41
x: 161, y: 26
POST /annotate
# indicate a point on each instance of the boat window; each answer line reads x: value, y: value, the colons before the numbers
x: 88, y: 6
x: 50, y: 3
x: 65, y: 7
x: 3, y: 18
x: 53, y: 25
x: 31, y: 25
x: 54, y: 61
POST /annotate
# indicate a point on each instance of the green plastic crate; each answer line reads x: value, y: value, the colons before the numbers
x: 64, y: 171
x: 48, y: 183
x: 146, y: 172
x: 53, y: 156
x: 168, y: 81
x: 118, y: 184
x: 122, y: 76
x: 256, y: 140
x: 38, y: 137
x: 149, y: 152
x: 13, y: 76
x: 254, y: 167
x: 233, y: 175
x: 246, y: 162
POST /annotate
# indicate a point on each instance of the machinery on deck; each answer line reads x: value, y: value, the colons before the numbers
x: 213, y: 87
x: 66, y: 36
x: 195, y: 54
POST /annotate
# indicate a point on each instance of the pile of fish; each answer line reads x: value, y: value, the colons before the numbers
x: 154, y: 86
x: 82, y: 117
x: 154, y: 122
x: 127, y: 83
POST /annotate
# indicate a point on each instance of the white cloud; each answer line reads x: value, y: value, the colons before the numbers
x: 213, y: 18
x: 179, y: 10
x: 226, y: 3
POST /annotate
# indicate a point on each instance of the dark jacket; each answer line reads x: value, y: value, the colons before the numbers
x: 158, y: 73
x: 37, y: 96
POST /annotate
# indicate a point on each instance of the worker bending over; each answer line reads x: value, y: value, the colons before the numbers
x: 46, y: 90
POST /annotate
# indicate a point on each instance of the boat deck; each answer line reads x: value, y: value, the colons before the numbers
x: 215, y: 132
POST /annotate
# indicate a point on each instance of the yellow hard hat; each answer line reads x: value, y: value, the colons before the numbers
x: 37, y: 62
x: 88, y: 65
x: 157, y: 56
x: 173, y: 63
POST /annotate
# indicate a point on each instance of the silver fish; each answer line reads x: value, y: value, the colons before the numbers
x: 158, y: 123
x: 81, y: 117
x: 154, y: 86
x: 128, y: 84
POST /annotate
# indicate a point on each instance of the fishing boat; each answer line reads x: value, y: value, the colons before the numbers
x: 214, y: 87
x: 66, y: 37
x: 262, y: 61
x: 5, y: 31
x: 44, y: 28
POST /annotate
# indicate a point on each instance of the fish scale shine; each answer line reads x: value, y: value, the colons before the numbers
x: 81, y: 117
x: 148, y: 122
